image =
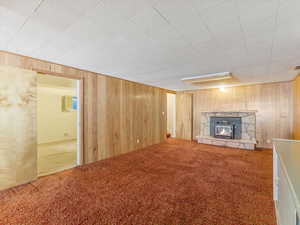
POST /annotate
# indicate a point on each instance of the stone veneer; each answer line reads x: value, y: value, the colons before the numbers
x: 248, y: 139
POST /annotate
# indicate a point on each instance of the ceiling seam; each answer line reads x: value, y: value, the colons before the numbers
x: 26, y: 20
x: 171, y: 25
x: 207, y: 27
x: 241, y: 27
x: 82, y: 15
x: 161, y: 15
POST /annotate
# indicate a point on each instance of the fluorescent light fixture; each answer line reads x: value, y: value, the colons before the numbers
x: 208, y: 77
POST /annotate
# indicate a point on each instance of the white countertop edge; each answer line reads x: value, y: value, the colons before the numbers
x: 231, y: 111
x: 285, y: 140
x: 295, y: 199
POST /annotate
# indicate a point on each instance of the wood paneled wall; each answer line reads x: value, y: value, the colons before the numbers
x: 119, y: 116
x: 130, y: 116
x: 17, y: 126
x: 296, y: 95
x: 184, y: 115
x: 273, y: 102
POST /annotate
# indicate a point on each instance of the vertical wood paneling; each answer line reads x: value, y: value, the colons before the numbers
x: 116, y: 112
x: 129, y: 116
x: 296, y: 102
x: 184, y: 115
x: 273, y: 102
x: 90, y: 119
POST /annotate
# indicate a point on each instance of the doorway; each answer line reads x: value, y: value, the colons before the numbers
x: 171, y: 114
x: 58, y: 123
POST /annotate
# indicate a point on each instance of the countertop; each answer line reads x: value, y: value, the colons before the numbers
x: 289, y: 155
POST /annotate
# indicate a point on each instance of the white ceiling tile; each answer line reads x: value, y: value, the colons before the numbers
x: 256, y: 11
x: 203, y: 5
x: 262, y: 29
x: 222, y: 14
x: 22, y: 8
x: 31, y: 37
x: 64, y: 15
x: 151, y: 22
x: 184, y: 18
x: 159, y: 42
x: 10, y: 23
x: 118, y: 9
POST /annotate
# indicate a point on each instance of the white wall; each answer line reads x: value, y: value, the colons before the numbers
x: 52, y: 124
x: 171, y: 114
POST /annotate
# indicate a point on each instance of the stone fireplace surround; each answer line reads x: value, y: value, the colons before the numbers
x: 248, y: 137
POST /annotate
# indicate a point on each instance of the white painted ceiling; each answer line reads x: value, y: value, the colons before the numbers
x: 158, y: 42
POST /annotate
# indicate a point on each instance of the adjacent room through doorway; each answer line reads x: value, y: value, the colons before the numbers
x: 57, y: 123
x: 171, y: 114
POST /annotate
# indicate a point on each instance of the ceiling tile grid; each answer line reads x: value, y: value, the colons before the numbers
x: 158, y: 42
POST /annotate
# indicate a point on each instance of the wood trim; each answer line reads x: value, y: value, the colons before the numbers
x: 81, y: 122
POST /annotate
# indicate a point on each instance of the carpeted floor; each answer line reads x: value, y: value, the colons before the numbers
x: 175, y: 183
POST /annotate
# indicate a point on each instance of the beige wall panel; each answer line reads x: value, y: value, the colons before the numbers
x: 17, y: 127
x: 273, y: 102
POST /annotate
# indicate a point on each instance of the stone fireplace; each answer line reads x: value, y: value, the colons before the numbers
x: 232, y: 129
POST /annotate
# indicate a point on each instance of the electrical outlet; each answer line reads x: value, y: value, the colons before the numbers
x: 268, y: 141
x: 137, y: 140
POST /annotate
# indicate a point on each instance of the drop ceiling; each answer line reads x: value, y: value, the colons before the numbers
x: 159, y: 42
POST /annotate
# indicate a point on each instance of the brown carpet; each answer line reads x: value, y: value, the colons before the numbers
x: 174, y: 183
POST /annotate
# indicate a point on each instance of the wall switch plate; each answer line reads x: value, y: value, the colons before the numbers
x: 137, y: 140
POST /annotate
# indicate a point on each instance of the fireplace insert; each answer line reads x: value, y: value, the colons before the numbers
x: 224, y: 131
x: 226, y: 127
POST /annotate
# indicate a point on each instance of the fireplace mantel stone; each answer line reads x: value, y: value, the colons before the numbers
x: 248, y: 139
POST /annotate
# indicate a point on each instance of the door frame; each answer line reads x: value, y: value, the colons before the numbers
x: 80, y: 117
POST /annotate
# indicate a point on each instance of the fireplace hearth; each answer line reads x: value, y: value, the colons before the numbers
x: 235, y: 129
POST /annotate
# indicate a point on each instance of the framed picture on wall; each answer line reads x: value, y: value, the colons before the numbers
x: 69, y: 103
